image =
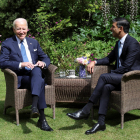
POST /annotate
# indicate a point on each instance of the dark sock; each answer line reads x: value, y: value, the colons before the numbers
x: 101, y: 119
x: 34, y: 100
x: 87, y: 107
x: 42, y: 115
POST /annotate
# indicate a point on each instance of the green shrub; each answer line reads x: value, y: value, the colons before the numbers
x: 63, y: 53
x: 59, y: 18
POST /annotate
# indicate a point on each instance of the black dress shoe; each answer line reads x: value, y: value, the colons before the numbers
x: 78, y: 115
x: 34, y: 112
x: 95, y: 128
x: 43, y: 125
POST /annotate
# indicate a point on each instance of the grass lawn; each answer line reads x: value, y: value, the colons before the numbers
x: 64, y: 127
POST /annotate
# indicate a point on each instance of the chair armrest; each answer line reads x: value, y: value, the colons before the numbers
x: 10, y: 78
x: 130, y: 88
x: 130, y: 82
x: 49, y: 74
x: 131, y: 73
x: 11, y: 83
x: 98, y: 70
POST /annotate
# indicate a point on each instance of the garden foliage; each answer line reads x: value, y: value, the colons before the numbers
x: 65, y: 29
x: 60, y: 17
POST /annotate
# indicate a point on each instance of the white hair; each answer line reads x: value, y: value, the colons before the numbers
x: 19, y: 19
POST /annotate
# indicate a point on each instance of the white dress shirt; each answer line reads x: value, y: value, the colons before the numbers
x: 26, y: 49
x: 122, y: 40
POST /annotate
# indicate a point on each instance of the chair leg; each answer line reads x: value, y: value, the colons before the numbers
x: 122, y: 120
x: 17, y: 117
x: 53, y: 108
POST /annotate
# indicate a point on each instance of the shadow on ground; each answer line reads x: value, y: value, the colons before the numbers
x: 113, y: 117
x: 10, y: 117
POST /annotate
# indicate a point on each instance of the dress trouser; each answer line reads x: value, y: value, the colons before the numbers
x: 106, y: 83
x: 33, y: 81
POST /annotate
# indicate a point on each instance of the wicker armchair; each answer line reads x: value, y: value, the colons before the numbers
x: 20, y: 98
x: 128, y: 98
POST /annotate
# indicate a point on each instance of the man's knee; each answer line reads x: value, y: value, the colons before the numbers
x: 104, y: 75
x: 36, y: 71
x: 108, y: 87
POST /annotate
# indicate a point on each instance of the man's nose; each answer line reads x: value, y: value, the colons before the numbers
x: 21, y: 31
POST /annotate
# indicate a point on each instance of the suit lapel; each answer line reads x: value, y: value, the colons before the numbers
x: 30, y: 46
x: 16, y: 47
x: 117, y: 50
x: 125, y: 45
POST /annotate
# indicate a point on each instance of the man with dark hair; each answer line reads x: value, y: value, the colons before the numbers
x: 122, y: 22
x: 126, y: 56
x: 25, y: 57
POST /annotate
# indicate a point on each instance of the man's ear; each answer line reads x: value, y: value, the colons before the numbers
x: 121, y: 28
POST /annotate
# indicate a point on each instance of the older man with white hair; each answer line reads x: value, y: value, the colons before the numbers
x: 25, y: 57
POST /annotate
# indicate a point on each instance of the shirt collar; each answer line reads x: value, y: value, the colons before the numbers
x: 18, y: 40
x: 123, y: 39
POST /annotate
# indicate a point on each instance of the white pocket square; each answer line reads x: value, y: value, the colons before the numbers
x: 35, y: 50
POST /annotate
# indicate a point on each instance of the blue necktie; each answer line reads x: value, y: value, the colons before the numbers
x: 118, y: 55
x: 24, y: 56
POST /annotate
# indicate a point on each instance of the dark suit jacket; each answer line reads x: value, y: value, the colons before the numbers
x: 130, y: 57
x: 10, y: 56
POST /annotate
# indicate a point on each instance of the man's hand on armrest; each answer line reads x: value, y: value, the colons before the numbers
x: 90, y: 66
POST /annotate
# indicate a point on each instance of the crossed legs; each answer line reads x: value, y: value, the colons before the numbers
x: 106, y: 83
